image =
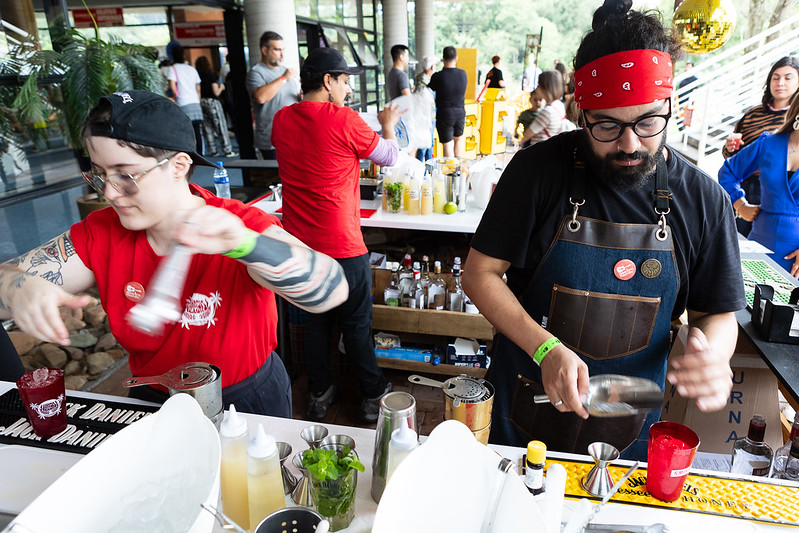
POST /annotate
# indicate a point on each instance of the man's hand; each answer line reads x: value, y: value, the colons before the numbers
x: 702, y: 373
x: 565, y: 378
x: 290, y: 73
x: 388, y: 117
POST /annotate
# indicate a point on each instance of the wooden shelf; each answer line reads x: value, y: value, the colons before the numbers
x: 430, y: 322
x: 429, y: 368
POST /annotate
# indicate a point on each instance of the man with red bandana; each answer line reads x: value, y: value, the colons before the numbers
x: 606, y: 235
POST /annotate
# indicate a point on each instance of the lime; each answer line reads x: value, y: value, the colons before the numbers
x: 450, y: 207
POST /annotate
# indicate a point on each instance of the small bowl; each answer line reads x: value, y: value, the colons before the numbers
x: 337, y: 442
x: 312, y: 435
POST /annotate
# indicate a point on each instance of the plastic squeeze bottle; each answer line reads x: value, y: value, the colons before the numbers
x: 427, y: 196
x: 233, y: 435
x: 403, y: 441
x: 264, y: 480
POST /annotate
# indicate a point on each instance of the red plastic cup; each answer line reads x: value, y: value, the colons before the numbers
x: 671, y: 452
x: 43, y: 394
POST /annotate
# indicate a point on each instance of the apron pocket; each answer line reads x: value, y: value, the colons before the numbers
x: 567, y: 432
x: 619, y: 325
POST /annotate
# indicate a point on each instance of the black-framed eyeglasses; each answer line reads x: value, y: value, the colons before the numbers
x: 609, y: 130
x: 125, y: 184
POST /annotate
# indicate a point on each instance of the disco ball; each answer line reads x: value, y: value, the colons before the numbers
x: 704, y: 25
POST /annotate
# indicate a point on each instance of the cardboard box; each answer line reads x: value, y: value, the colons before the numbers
x: 475, y: 357
x: 408, y: 354
x: 754, y: 391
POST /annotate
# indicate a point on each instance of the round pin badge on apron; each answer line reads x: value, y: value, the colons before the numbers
x: 651, y: 268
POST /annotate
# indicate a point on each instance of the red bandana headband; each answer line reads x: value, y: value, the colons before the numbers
x: 632, y: 77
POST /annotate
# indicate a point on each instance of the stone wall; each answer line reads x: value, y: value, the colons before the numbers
x: 93, y: 350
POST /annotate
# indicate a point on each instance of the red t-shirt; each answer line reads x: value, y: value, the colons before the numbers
x: 228, y: 320
x: 319, y: 146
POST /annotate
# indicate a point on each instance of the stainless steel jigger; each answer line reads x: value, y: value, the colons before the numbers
x: 598, y: 481
x: 161, y: 304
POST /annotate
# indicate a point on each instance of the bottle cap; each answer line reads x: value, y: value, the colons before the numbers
x: 262, y: 445
x: 233, y: 425
x: 219, y: 164
x: 536, y: 452
x: 404, y: 438
x: 757, y: 428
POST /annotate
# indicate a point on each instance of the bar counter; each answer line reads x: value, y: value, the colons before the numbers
x: 615, y: 512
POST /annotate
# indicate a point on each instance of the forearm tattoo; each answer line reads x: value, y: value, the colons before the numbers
x: 302, y: 276
x: 45, y: 262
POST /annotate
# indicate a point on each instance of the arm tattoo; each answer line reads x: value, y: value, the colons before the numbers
x: 300, y: 275
x: 48, y: 259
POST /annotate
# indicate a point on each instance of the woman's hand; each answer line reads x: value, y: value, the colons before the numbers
x: 733, y: 143
x: 795, y: 267
x: 208, y: 230
x: 748, y: 211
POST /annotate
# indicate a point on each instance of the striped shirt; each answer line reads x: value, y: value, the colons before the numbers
x: 549, y: 122
x: 754, y: 122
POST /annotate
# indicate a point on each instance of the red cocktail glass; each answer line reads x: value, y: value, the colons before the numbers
x: 671, y: 452
x: 43, y: 394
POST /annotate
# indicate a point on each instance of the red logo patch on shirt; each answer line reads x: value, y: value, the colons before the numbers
x: 624, y: 269
x: 134, y: 291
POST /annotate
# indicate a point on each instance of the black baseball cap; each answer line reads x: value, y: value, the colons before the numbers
x: 149, y: 119
x: 324, y: 60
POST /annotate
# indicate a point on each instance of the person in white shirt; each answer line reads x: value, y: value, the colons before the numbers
x: 551, y: 120
x: 184, y: 82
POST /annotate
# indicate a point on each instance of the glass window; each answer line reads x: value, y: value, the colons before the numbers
x: 363, y: 48
x: 337, y: 38
x: 328, y: 11
x: 302, y: 8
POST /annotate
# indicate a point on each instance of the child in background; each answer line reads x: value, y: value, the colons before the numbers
x: 527, y: 116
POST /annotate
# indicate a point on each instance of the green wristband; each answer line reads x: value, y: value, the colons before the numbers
x: 545, y: 348
x: 246, y: 245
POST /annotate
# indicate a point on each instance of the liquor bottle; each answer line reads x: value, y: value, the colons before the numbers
x: 751, y: 455
x: 437, y: 289
x: 455, y: 290
x: 405, y: 281
x: 418, y: 293
x: 425, y: 271
x: 791, y: 471
x: 783, y: 453
x: 391, y: 294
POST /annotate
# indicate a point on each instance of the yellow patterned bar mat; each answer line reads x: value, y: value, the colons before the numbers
x: 761, y: 502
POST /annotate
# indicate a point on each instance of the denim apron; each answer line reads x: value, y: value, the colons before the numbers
x: 607, y: 291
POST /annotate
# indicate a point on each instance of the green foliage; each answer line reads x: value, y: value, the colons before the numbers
x: 91, y: 68
x: 328, y: 464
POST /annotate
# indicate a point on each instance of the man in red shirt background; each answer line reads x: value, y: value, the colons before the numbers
x: 320, y: 142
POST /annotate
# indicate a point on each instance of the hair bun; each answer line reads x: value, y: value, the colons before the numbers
x: 609, y: 11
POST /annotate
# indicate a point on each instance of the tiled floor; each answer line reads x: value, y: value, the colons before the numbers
x: 429, y: 400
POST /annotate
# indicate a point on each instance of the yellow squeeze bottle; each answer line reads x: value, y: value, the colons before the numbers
x: 406, y: 189
x: 414, y: 195
x: 427, y: 196
x: 233, y: 436
x: 264, y: 480
x: 439, y: 198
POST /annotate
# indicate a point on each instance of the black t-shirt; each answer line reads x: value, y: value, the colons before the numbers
x: 450, y: 87
x: 532, y: 197
x: 206, y: 80
x: 495, y: 75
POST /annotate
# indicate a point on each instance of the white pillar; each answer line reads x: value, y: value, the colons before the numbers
x: 272, y: 15
x: 395, y: 28
x: 425, y: 30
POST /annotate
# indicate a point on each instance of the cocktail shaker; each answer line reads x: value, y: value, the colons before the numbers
x: 397, y: 409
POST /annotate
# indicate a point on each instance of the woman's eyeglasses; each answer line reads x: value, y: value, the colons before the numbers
x: 123, y: 183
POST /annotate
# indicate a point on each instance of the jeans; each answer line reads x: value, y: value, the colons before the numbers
x: 354, y: 318
x: 265, y: 392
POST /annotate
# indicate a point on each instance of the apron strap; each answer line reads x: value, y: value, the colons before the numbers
x: 662, y: 198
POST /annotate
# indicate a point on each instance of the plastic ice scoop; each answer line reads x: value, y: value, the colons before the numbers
x: 161, y: 304
x: 615, y: 395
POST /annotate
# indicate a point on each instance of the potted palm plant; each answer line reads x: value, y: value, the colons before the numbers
x: 72, y: 80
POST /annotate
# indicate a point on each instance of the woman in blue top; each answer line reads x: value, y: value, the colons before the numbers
x: 776, y: 219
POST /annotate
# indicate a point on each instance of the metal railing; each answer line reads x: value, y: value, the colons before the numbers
x: 726, y: 86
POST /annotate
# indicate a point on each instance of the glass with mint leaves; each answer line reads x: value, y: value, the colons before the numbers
x: 394, y: 196
x: 333, y: 473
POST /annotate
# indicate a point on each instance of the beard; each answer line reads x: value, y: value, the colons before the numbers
x: 623, y: 178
